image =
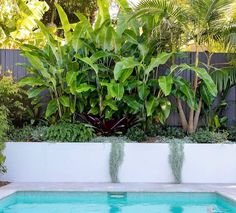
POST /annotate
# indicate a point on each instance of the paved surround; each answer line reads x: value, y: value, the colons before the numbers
x: 228, y: 191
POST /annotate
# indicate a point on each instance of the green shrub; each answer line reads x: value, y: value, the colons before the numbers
x: 68, y: 132
x: 232, y: 133
x: 220, y: 137
x: 15, y: 100
x: 39, y: 134
x: 170, y: 132
x: 174, y: 132
x: 206, y: 136
x: 21, y: 134
x: 155, y: 130
x: 3, y: 136
x: 136, y: 134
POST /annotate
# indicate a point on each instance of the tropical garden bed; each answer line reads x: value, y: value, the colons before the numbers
x: 122, y: 78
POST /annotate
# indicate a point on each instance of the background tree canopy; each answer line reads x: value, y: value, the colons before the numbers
x: 88, y: 8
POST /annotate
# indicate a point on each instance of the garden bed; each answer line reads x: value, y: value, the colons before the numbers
x: 142, y: 162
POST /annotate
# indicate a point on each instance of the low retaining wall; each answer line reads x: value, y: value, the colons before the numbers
x: 89, y: 162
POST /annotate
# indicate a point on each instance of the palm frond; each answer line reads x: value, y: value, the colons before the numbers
x: 224, y: 78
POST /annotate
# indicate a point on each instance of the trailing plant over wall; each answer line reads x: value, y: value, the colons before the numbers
x: 176, y: 158
x: 116, y: 159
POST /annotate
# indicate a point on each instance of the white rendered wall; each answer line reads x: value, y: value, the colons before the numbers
x: 89, y: 162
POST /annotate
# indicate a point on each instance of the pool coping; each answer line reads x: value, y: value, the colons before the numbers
x: 226, y: 190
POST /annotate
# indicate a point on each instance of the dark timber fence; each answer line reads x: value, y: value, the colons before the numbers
x: 10, y: 58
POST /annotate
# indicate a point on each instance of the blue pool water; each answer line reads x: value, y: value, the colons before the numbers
x: 78, y: 202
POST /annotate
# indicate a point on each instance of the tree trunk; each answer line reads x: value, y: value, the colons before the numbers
x: 192, y: 120
x: 182, y: 116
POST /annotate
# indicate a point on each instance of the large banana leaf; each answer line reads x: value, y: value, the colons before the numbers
x: 162, y: 58
x: 65, y: 23
x: 124, y: 68
x: 165, y: 83
x: 103, y: 13
x: 186, y: 91
x: 202, y: 73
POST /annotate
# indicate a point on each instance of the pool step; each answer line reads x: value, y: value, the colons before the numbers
x: 117, y: 195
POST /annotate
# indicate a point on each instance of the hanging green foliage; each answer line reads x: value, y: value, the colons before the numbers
x: 116, y: 159
x: 176, y: 158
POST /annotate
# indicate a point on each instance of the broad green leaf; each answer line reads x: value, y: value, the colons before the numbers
x: 187, y: 91
x: 217, y: 121
x: 123, y: 69
x: 166, y: 107
x: 202, y: 73
x: 207, y: 98
x: 46, y: 33
x: 37, y: 64
x: 85, y: 87
x: 111, y: 104
x: 116, y: 90
x: 33, y: 92
x: 102, y: 54
x: 51, y: 108
x: 89, y: 62
x: 93, y: 111
x: 143, y: 91
x: 65, y: 101
x: 132, y: 103
x: 65, y: 22
x: 108, y: 113
x: 162, y: 58
x: 143, y: 49
x: 123, y: 4
x: 83, y: 29
x: 165, y: 83
x: 131, y: 36
x: 164, y: 113
x: 31, y: 81
x: 103, y: 13
x: 151, y: 105
x: 71, y: 77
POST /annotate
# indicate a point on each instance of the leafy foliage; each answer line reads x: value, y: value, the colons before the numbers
x: 66, y: 132
x: 21, y: 134
x: 116, y: 159
x: 175, y: 132
x: 3, y: 136
x: 232, y: 133
x: 87, y: 8
x: 176, y: 158
x: 166, y: 131
x: 155, y: 130
x: 17, y: 21
x: 206, y: 136
x: 14, y: 99
x: 136, y: 134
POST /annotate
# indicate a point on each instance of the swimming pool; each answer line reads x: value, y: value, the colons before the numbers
x: 83, y: 202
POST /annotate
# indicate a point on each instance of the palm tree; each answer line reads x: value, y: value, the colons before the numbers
x: 207, y: 19
x: 162, y: 22
x: 180, y: 22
